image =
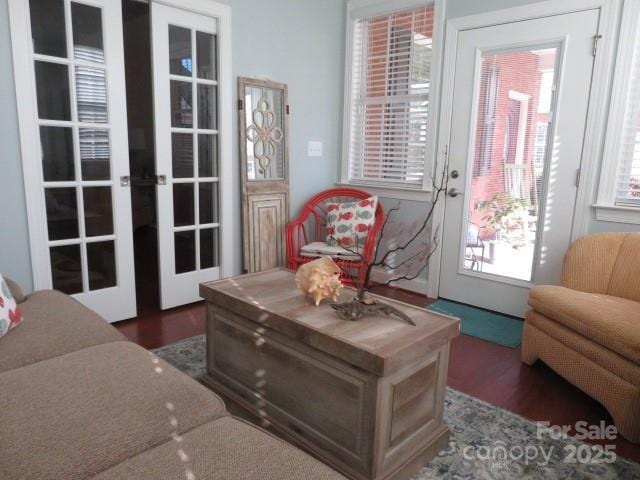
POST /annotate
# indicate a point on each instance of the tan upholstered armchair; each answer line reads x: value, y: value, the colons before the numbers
x: 588, y: 329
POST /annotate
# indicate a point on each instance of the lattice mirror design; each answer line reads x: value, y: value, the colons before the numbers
x: 263, y: 129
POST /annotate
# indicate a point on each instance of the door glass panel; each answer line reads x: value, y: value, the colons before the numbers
x: 95, y: 153
x: 207, y: 107
x: 57, y: 154
x: 206, y: 55
x: 101, y: 264
x: 182, y: 155
x: 264, y: 133
x: 515, y: 99
x: 208, y: 202
x: 66, y: 269
x: 87, y: 33
x: 98, y: 211
x: 52, y: 88
x: 62, y: 213
x: 209, y: 248
x: 183, y: 204
x: 207, y: 155
x: 91, y: 94
x: 180, y: 62
x: 185, y: 248
x: 181, y: 101
x: 48, y: 27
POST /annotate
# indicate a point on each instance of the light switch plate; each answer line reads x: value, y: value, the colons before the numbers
x: 314, y: 149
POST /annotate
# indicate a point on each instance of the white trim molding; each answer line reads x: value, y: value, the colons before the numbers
x: 598, y: 104
x: 397, y: 193
x: 605, y: 207
x: 360, y: 9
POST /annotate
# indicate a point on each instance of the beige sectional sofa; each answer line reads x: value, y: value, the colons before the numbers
x: 79, y: 401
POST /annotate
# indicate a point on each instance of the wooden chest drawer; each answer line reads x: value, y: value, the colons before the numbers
x: 319, y: 399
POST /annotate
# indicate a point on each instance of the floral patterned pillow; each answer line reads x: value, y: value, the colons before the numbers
x: 348, y: 224
x: 10, y: 315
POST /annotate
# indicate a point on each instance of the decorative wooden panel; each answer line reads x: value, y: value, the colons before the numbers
x: 267, y: 219
x: 263, y: 113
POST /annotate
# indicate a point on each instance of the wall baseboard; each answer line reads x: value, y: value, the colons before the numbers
x: 417, y: 285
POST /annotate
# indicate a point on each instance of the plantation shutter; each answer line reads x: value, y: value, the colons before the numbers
x: 628, y: 178
x: 390, y: 87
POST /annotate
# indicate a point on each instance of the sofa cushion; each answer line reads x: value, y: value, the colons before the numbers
x: 10, y: 314
x: 226, y: 448
x: 609, y: 321
x: 16, y: 291
x: 54, y: 324
x: 604, y: 357
x: 75, y: 415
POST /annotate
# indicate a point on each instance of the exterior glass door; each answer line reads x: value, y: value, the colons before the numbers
x: 70, y: 90
x: 185, y: 70
x: 520, y: 105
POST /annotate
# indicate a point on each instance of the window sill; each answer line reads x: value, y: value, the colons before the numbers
x: 398, y: 193
x: 617, y: 213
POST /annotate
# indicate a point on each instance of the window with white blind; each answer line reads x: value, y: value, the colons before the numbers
x: 627, y: 186
x: 619, y: 194
x: 389, y: 88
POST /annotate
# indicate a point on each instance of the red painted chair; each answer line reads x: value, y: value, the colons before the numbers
x: 311, y: 226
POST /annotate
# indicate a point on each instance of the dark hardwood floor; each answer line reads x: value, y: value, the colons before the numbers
x: 482, y: 369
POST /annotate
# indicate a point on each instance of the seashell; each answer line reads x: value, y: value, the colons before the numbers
x: 319, y: 279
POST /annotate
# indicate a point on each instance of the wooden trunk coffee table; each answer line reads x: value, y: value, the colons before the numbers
x: 366, y: 397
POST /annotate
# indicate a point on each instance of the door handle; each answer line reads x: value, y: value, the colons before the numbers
x: 161, y: 179
x: 453, y: 192
x: 125, y: 181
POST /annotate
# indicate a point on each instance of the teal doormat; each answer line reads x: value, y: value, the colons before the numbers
x: 493, y: 327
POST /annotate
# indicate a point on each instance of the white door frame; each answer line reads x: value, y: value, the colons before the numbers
x: 598, y: 104
x: 24, y: 73
x: 222, y: 14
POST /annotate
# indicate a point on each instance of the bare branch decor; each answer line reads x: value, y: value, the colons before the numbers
x: 408, y: 268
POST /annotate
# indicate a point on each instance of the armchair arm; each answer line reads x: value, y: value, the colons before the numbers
x: 588, y: 264
x: 295, y: 238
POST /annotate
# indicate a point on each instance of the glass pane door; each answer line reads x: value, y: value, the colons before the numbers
x: 78, y: 144
x: 185, y: 66
x: 514, y: 109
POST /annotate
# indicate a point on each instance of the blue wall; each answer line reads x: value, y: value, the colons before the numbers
x: 298, y: 42
x: 14, y: 237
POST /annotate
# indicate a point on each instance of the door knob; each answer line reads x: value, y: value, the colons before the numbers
x: 453, y: 192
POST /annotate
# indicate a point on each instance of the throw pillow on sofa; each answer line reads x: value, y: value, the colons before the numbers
x: 348, y: 223
x: 10, y: 315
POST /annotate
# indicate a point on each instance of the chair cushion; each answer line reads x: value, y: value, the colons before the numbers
x: 78, y: 414
x: 226, y: 448
x: 348, y: 223
x: 609, y: 321
x: 319, y: 249
x: 54, y: 324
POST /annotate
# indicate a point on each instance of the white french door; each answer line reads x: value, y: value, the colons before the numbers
x: 186, y: 96
x: 69, y: 70
x: 520, y: 103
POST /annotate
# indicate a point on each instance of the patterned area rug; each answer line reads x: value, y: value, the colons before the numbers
x: 487, y: 442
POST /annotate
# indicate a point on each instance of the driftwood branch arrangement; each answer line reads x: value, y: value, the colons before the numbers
x: 408, y: 268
